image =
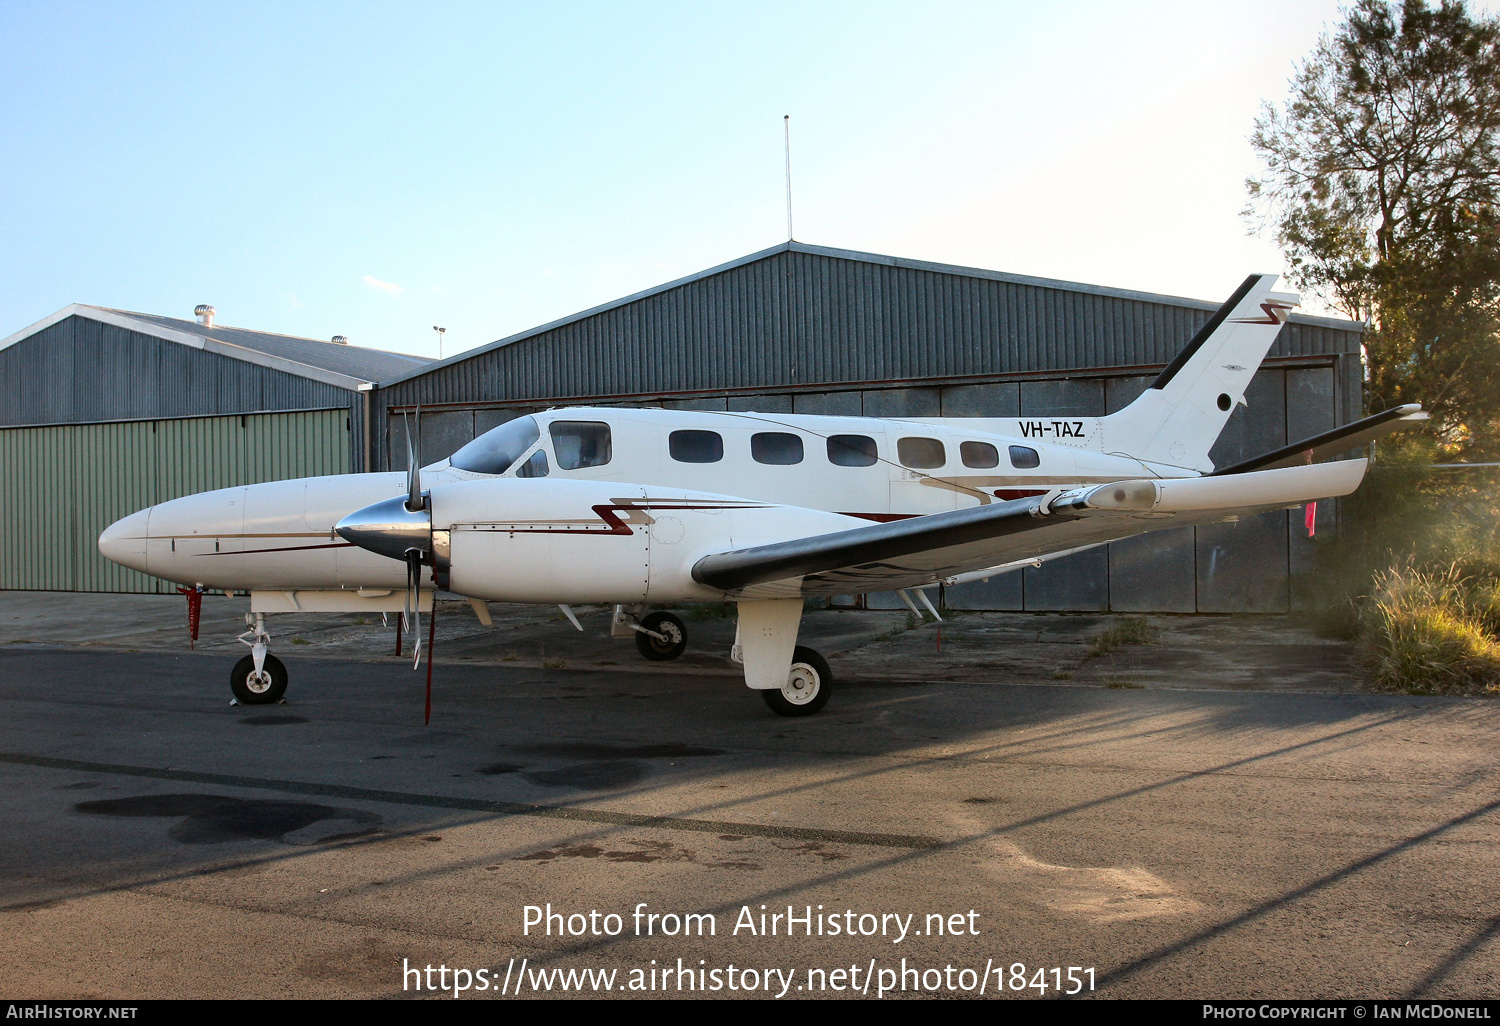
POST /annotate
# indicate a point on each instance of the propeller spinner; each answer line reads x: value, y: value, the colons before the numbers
x: 400, y: 528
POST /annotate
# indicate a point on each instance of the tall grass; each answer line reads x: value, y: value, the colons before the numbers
x: 1431, y: 632
x: 1414, y: 577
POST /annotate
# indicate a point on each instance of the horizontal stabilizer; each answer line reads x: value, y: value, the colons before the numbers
x: 1331, y: 443
x: 940, y: 547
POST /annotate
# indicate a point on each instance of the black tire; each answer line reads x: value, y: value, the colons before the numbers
x: 662, y: 623
x: 248, y: 694
x: 793, y: 700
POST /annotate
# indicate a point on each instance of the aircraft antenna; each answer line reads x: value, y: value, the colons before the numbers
x: 786, y: 133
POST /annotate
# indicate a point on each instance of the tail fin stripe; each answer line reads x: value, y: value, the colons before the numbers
x: 1204, y: 333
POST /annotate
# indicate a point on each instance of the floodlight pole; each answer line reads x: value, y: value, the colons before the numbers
x: 440, y: 333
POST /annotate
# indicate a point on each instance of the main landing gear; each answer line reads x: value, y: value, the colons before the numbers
x: 259, y: 678
x: 807, y: 687
x: 659, y: 636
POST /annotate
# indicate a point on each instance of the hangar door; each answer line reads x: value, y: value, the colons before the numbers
x: 70, y: 481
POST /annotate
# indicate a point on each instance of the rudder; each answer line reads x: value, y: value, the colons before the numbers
x: 1181, y: 414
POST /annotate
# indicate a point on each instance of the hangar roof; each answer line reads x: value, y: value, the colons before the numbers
x: 806, y: 316
x: 344, y: 366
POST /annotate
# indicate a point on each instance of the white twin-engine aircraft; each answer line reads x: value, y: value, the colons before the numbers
x: 631, y: 507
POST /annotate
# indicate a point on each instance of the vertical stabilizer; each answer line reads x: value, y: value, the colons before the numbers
x: 1179, y: 417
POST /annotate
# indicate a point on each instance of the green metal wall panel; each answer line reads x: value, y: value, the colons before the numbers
x: 80, y: 478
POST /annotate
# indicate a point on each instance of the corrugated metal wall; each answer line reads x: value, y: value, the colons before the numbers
x: 80, y: 478
x: 81, y: 371
x: 800, y: 317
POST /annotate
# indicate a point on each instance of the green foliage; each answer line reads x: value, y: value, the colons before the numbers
x: 1415, y: 577
x: 1132, y: 630
x: 1382, y: 183
x: 1432, y: 632
x: 703, y: 612
x: 1409, y: 513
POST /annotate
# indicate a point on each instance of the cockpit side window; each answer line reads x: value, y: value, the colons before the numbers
x: 536, y: 466
x: 494, y: 451
x: 579, y: 444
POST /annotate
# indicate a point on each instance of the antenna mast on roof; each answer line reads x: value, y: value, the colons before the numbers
x: 786, y: 126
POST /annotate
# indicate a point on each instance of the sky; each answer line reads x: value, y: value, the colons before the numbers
x: 373, y: 170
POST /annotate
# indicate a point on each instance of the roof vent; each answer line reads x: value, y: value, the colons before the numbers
x: 205, y: 314
x: 341, y: 340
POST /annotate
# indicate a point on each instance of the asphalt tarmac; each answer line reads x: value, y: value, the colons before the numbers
x: 1166, y: 843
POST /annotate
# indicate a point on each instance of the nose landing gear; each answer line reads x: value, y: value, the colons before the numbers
x: 662, y: 636
x: 259, y: 678
x: 659, y: 636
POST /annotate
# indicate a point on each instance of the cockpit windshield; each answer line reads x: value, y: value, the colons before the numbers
x: 494, y: 451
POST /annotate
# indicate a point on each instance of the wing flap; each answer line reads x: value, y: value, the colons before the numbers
x: 939, y: 547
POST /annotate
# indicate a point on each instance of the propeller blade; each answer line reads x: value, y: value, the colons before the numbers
x: 406, y: 599
x: 413, y: 471
x: 414, y: 598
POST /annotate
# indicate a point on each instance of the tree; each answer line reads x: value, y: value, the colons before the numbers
x: 1382, y: 181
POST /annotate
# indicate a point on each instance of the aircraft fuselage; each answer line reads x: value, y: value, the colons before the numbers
x: 279, y: 535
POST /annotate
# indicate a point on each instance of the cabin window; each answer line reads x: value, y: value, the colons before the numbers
x: 696, y: 446
x: 580, y: 444
x: 778, y: 448
x: 494, y: 451
x: 534, y: 467
x: 851, y: 450
x: 921, y: 453
x: 979, y: 455
x: 1023, y: 457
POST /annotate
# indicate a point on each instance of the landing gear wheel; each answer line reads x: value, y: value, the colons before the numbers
x: 262, y: 690
x: 670, y: 627
x: 807, y: 688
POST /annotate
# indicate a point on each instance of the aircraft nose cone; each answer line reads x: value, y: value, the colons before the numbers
x: 124, y: 541
x: 388, y: 527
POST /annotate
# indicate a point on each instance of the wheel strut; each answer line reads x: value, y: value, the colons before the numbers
x: 259, y: 678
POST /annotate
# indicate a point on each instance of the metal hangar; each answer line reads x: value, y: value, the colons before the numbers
x: 808, y: 329
x: 104, y: 412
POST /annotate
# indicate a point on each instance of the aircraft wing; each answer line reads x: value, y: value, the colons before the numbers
x: 942, y: 546
x: 1331, y: 443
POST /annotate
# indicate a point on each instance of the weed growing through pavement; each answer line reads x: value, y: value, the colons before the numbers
x: 1133, y: 630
